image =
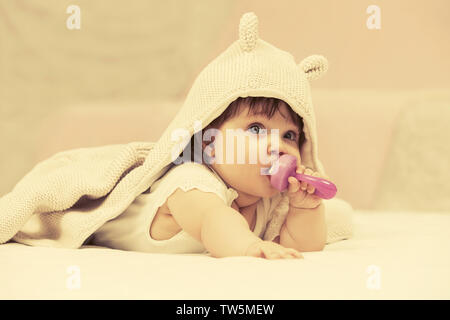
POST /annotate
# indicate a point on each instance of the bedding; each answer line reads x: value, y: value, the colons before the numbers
x: 392, y: 255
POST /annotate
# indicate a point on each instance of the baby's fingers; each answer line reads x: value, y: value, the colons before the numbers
x: 304, y: 185
x: 294, y: 185
x: 311, y: 189
x: 282, y: 253
x: 270, y: 253
x: 294, y: 253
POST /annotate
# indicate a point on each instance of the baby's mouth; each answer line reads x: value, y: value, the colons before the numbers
x: 268, y: 171
x: 272, y: 169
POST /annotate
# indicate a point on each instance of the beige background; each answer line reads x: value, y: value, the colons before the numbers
x: 125, y: 72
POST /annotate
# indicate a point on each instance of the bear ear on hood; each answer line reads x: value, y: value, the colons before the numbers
x: 314, y: 66
x: 248, y: 31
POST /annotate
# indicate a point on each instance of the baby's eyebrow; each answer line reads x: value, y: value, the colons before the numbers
x: 265, y: 117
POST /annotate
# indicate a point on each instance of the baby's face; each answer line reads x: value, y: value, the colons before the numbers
x: 247, y: 177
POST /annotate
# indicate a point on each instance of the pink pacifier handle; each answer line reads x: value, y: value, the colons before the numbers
x: 287, y: 165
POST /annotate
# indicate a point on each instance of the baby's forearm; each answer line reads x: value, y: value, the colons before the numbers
x: 225, y: 232
x: 304, y: 229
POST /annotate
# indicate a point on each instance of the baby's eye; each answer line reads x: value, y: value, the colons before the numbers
x: 258, y: 126
x: 293, y: 135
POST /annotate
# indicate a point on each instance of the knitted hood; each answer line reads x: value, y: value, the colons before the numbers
x: 248, y: 67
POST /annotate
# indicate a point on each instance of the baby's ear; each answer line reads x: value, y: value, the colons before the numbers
x: 314, y: 66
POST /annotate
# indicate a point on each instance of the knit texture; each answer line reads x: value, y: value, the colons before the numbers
x: 64, y: 199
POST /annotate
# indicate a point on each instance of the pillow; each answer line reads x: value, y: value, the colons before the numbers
x: 416, y: 175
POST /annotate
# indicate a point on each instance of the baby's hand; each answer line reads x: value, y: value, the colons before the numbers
x: 301, y: 194
x: 271, y: 250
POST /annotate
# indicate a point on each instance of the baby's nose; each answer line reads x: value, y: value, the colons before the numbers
x: 275, y: 155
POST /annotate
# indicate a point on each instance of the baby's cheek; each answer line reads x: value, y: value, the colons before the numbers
x: 255, y: 151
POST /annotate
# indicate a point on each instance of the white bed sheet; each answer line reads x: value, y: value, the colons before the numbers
x: 392, y: 255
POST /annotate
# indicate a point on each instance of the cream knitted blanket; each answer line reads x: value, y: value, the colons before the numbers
x: 65, y: 198
x: 68, y: 196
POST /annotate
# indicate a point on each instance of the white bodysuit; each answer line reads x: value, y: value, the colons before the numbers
x: 131, y: 229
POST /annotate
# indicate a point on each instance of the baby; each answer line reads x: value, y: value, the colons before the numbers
x: 304, y: 228
x: 213, y: 202
x: 224, y: 207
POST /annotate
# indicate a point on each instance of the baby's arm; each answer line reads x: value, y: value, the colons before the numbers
x: 222, y: 230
